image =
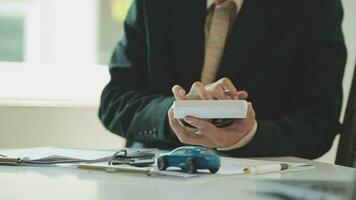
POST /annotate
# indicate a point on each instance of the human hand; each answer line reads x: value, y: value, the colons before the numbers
x: 222, y: 89
x: 209, y: 135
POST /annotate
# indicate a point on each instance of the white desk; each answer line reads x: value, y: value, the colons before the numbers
x: 19, y: 183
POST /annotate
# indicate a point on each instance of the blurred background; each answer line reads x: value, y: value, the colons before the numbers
x: 53, y: 67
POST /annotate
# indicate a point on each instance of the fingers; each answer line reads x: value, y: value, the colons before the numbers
x: 222, y: 89
x: 176, y: 127
x: 213, y: 135
x: 179, y: 92
x: 244, y: 126
x: 242, y: 95
x: 183, y: 135
x: 217, y: 91
x: 200, y: 124
x: 250, y: 111
x: 229, y: 88
x: 208, y: 135
x: 216, y: 137
x: 198, y: 91
x: 227, y: 84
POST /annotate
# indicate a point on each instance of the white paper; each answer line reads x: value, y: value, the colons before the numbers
x: 229, y: 166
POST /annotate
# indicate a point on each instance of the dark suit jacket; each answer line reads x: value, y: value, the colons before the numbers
x: 289, y: 56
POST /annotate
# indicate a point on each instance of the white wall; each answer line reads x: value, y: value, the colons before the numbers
x: 43, y: 105
x: 349, y: 27
x: 28, y: 126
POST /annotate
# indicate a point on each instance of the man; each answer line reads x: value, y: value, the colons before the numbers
x: 285, y: 57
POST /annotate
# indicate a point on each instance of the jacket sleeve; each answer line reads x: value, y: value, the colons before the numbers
x: 309, y: 127
x: 127, y: 107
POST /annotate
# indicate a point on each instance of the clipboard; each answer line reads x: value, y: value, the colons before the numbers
x: 138, y: 158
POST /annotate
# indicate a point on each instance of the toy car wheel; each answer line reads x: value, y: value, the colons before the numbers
x: 190, y: 166
x: 214, y: 170
x: 161, y: 163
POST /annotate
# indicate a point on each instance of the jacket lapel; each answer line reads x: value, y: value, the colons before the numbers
x: 187, y: 32
x: 252, y: 22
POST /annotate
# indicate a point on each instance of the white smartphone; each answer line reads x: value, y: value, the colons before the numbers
x: 210, y: 109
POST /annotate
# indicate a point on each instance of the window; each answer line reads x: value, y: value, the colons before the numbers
x: 12, y: 25
x: 112, y: 16
x: 11, y: 38
x: 55, y: 31
x: 44, y: 42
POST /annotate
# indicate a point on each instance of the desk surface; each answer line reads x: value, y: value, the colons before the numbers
x: 69, y: 183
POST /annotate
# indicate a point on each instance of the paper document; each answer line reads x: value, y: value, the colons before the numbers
x: 308, y: 190
x: 52, y: 155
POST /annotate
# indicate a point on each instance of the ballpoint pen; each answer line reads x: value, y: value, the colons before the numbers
x: 271, y: 168
x: 117, y: 169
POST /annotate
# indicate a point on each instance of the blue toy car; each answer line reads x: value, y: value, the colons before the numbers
x: 190, y: 159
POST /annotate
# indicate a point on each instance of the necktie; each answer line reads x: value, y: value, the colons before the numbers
x: 217, y: 27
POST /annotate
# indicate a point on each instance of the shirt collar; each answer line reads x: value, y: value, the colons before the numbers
x: 238, y: 3
x: 209, y: 3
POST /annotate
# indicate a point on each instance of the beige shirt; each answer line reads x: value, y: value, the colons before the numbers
x: 215, y: 45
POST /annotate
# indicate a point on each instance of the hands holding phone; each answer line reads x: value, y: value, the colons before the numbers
x: 206, y: 133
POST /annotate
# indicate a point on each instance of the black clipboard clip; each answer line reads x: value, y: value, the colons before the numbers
x: 12, y: 161
x: 135, y: 158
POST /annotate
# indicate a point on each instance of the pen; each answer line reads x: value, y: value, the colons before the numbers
x: 12, y: 161
x: 110, y: 169
x: 268, y: 168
